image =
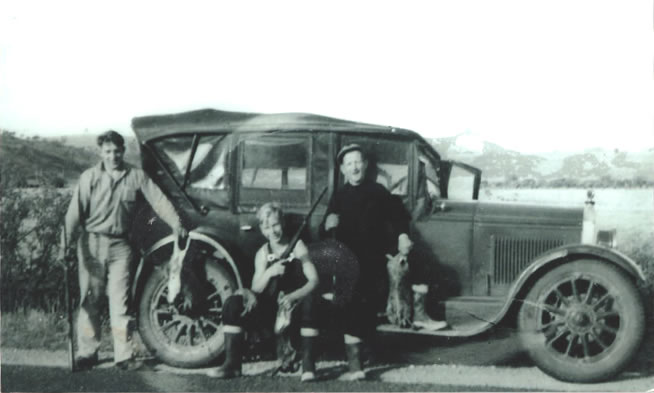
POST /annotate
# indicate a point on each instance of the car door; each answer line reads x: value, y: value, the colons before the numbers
x: 273, y: 167
x: 446, y: 197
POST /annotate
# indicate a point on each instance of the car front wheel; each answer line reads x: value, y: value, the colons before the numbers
x: 182, y: 335
x: 582, y: 321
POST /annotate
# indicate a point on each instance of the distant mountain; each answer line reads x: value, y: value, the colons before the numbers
x: 59, y: 161
x: 506, y: 168
x: 88, y: 142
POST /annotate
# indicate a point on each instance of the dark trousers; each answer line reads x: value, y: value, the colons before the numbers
x: 264, y: 313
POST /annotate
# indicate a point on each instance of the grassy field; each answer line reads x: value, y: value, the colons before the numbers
x: 629, y: 211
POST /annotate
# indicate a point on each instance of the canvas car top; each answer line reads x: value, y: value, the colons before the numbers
x: 211, y: 120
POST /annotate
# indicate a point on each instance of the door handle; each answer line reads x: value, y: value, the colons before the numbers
x: 246, y: 228
x: 441, y: 207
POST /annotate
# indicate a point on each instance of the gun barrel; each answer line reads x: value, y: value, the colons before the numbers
x: 305, y: 221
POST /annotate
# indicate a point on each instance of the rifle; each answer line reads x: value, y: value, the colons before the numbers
x: 271, y: 288
x: 69, y: 302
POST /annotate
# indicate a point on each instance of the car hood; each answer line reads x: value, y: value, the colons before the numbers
x: 526, y: 214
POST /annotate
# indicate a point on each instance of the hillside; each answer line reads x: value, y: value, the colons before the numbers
x: 35, y: 161
x: 592, y: 168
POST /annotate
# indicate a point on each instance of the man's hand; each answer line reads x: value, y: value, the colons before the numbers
x: 404, y: 244
x: 331, y: 221
x: 180, y: 232
x: 66, y: 253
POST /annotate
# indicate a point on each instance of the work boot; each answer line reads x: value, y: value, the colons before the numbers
x: 233, y: 358
x: 420, y: 317
x: 308, y: 359
x: 86, y: 362
x: 355, y: 372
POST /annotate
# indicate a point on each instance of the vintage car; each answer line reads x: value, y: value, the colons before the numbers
x: 536, y: 268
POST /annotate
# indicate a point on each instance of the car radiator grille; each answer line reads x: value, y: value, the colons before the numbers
x: 511, y: 255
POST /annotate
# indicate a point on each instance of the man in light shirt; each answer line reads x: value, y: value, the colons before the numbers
x: 102, y: 210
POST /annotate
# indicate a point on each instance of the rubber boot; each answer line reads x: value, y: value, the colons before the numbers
x: 420, y: 317
x: 354, y: 363
x: 233, y: 358
x: 308, y: 359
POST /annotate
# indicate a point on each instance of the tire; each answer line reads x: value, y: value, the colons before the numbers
x: 582, y: 321
x: 181, y: 337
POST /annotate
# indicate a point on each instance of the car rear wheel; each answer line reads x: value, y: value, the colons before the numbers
x: 180, y: 335
x: 582, y: 321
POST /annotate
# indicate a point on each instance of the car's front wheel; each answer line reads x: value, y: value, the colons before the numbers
x: 582, y: 321
x: 182, y: 335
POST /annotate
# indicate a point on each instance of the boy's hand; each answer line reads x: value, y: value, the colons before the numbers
x: 287, y: 301
x: 249, y: 300
x: 276, y: 269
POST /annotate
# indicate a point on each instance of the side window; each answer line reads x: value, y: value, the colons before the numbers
x: 388, y: 162
x: 274, y: 168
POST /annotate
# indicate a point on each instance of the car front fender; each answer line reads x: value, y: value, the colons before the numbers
x: 562, y: 255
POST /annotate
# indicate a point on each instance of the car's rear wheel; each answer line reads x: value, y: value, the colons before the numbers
x: 582, y: 321
x: 180, y: 335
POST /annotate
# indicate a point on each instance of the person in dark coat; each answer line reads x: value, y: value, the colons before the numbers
x: 370, y: 221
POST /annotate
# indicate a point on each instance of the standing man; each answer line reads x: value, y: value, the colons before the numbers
x: 372, y: 223
x: 103, y: 207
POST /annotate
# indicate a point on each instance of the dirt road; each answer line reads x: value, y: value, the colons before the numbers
x: 480, y: 365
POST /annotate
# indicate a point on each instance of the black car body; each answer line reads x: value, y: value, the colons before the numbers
x: 485, y: 263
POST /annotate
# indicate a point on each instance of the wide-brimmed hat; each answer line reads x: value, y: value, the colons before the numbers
x: 346, y: 149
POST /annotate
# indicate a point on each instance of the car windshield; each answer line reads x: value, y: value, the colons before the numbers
x: 428, y: 182
x: 207, y: 170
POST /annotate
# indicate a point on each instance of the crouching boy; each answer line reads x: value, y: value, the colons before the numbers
x: 295, y: 280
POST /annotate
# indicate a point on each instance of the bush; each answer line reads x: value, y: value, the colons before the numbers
x: 641, y: 250
x: 29, y: 240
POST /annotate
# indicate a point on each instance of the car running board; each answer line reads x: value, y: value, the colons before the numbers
x: 450, y: 331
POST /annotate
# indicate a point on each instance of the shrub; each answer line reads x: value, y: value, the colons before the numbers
x: 29, y: 239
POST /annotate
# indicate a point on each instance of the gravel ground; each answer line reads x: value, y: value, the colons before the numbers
x: 389, y: 377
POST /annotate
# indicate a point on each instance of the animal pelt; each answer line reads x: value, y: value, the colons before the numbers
x: 399, y: 307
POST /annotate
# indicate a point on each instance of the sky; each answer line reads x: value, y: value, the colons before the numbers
x: 532, y: 76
